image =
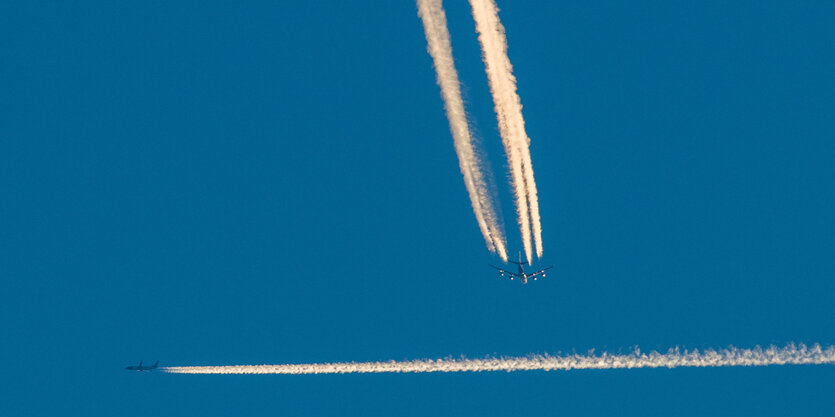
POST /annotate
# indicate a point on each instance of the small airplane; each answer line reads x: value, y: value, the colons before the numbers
x: 521, y: 274
x: 141, y: 367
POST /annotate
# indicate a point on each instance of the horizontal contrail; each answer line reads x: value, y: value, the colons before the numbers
x: 475, y: 171
x: 790, y: 354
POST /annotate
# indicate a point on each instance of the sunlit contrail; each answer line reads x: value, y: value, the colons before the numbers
x: 472, y: 167
x: 511, y: 124
x: 789, y: 355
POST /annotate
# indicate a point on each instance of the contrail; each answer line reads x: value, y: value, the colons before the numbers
x: 474, y: 170
x: 508, y: 109
x: 791, y: 354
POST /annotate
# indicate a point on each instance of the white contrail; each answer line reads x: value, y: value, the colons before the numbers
x: 508, y: 109
x: 789, y: 355
x: 474, y: 170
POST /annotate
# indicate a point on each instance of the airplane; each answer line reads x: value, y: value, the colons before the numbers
x: 141, y: 368
x: 521, y: 274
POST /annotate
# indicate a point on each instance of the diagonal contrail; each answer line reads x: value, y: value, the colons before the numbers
x: 508, y: 109
x: 472, y: 167
x: 789, y: 355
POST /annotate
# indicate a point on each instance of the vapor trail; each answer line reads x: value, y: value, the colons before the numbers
x: 474, y: 170
x: 789, y: 355
x: 508, y: 109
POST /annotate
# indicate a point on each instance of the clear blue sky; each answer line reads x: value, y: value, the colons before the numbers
x: 206, y: 183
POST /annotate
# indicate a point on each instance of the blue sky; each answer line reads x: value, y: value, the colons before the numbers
x: 208, y: 183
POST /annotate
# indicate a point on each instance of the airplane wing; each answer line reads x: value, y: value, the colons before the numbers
x: 503, y: 272
x: 540, y: 273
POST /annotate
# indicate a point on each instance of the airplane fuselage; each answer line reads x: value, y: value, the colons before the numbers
x: 523, y: 276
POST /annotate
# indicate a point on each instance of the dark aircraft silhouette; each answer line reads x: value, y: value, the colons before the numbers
x: 141, y: 368
x: 521, y: 274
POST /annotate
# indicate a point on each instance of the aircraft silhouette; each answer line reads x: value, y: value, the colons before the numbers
x: 141, y: 367
x: 521, y: 274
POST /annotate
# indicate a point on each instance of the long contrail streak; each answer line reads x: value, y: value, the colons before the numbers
x: 472, y: 167
x: 789, y: 355
x: 508, y: 109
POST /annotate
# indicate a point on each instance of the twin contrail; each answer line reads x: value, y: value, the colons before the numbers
x: 790, y: 354
x: 508, y: 109
x: 475, y: 171
x: 511, y: 124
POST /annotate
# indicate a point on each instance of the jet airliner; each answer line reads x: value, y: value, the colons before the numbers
x: 141, y: 367
x: 521, y: 274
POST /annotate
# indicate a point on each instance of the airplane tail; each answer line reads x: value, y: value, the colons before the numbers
x: 520, y: 260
